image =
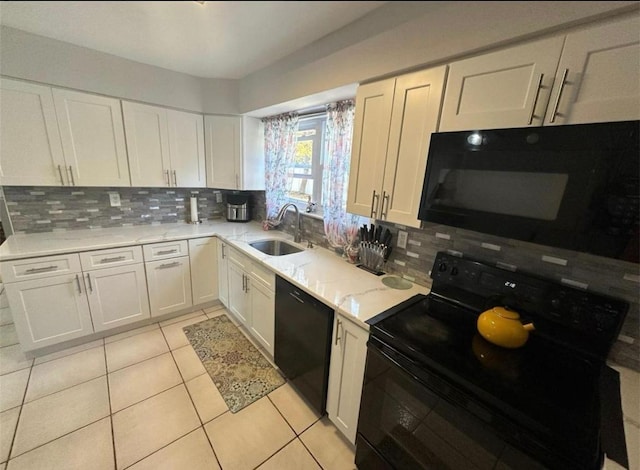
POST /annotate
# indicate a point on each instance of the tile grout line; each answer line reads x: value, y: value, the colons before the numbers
x: 294, y: 431
x: 113, y: 434
x: 15, y: 430
x: 68, y: 355
x: 272, y: 455
x: 215, y: 455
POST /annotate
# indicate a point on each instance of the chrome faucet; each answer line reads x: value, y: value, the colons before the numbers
x: 297, y: 237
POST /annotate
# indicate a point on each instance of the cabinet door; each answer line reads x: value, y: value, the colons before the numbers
x: 147, y: 135
x: 507, y: 88
x: 416, y: 107
x: 169, y: 284
x: 92, y: 139
x: 598, y: 76
x: 252, y: 163
x: 223, y: 274
x: 239, y: 301
x: 346, y: 373
x: 49, y: 311
x: 186, y: 141
x: 263, y: 318
x: 223, y: 150
x: 117, y: 296
x: 31, y: 150
x: 203, y: 257
x: 369, y: 149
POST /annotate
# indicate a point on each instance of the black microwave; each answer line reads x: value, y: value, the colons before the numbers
x: 574, y: 186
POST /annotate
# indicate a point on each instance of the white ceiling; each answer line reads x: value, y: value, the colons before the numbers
x: 220, y: 39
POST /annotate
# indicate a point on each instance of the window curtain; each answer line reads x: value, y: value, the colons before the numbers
x: 340, y: 227
x: 279, y: 148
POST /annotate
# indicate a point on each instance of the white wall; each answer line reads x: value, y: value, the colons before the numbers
x: 32, y: 57
x: 405, y: 35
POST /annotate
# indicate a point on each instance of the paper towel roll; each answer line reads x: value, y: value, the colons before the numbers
x: 194, y: 210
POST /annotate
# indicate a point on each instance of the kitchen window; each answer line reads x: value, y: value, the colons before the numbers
x: 304, y: 176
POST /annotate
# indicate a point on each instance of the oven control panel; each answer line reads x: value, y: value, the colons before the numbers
x: 585, y: 319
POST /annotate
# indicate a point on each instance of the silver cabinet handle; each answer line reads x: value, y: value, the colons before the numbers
x: 60, y: 173
x: 338, y: 332
x: 385, y: 197
x: 78, y: 281
x: 167, y: 252
x: 535, y: 101
x: 115, y: 258
x: 41, y: 270
x: 222, y: 250
x: 374, y: 203
x: 557, y: 103
x: 73, y: 181
x: 169, y: 265
x: 296, y: 297
x: 244, y: 283
x: 168, y: 177
x: 89, y: 279
x: 175, y: 178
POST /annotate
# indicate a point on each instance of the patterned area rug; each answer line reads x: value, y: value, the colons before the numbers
x: 238, y: 369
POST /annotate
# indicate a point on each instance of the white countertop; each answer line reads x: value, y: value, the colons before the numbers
x: 351, y: 291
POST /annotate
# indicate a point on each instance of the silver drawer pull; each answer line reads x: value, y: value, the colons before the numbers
x: 111, y: 260
x: 169, y: 265
x: 296, y: 297
x: 41, y: 270
x: 166, y: 252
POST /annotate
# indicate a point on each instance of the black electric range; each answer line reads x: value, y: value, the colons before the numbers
x: 438, y: 395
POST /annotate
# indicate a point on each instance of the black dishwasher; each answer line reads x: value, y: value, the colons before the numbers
x: 303, y: 342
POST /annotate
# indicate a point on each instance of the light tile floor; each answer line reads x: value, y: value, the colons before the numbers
x: 142, y: 400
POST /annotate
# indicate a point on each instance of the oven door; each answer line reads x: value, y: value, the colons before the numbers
x: 412, y: 419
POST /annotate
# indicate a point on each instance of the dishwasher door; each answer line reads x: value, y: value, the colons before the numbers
x: 303, y: 342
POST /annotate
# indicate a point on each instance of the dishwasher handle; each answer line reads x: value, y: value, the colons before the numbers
x: 293, y: 294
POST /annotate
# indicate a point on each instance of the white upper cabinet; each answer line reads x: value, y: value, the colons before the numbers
x: 393, y: 125
x: 223, y: 144
x: 234, y: 148
x: 507, y: 88
x: 186, y: 144
x: 93, y: 140
x: 416, y: 107
x: 30, y: 145
x: 147, y: 134
x: 598, y: 77
x: 369, y: 149
x: 166, y: 147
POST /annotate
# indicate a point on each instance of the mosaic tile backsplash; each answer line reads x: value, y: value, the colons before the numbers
x: 34, y: 209
x: 607, y: 276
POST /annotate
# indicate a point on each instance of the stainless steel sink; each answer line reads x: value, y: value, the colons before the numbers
x: 275, y: 247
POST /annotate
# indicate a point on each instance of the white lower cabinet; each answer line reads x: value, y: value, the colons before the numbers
x: 203, y: 257
x: 346, y: 373
x: 96, y: 293
x: 252, y: 297
x: 50, y: 310
x: 117, y: 296
x: 223, y: 277
x: 239, y: 303
x: 169, y: 285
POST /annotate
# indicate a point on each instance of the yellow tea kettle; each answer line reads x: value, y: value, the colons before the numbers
x: 502, y: 327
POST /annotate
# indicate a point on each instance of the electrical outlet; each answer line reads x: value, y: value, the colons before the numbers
x: 114, y: 199
x: 402, y: 239
x: 218, y: 196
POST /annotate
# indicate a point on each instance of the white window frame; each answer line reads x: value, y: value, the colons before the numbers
x: 317, y: 164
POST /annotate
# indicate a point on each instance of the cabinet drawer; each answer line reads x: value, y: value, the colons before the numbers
x: 165, y: 250
x: 238, y: 259
x: 264, y: 276
x: 194, y: 243
x: 107, y: 258
x: 37, y: 268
